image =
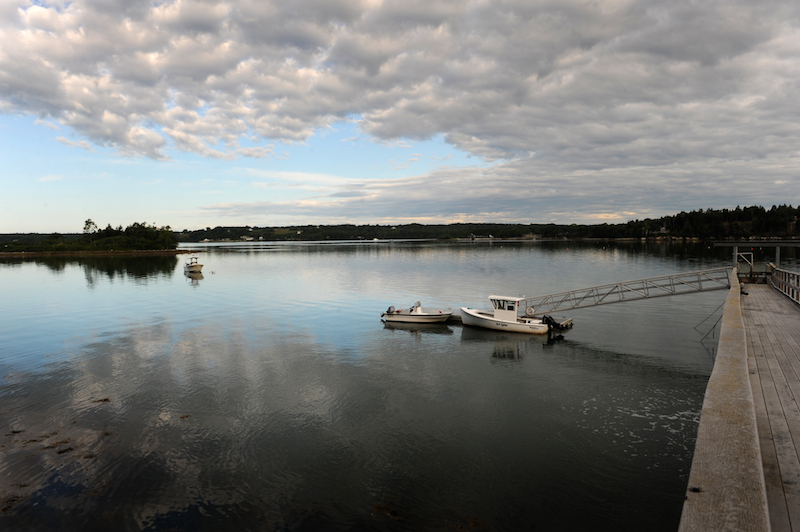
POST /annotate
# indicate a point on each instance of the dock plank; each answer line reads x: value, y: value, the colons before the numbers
x: 772, y: 324
x: 778, y: 510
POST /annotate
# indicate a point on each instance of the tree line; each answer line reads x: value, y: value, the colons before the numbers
x: 135, y: 237
x: 710, y: 224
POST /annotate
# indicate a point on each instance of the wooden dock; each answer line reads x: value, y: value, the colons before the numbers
x: 746, y: 468
x: 772, y: 322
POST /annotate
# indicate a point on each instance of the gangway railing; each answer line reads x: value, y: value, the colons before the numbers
x: 665, y: 285
x: 786, y: 282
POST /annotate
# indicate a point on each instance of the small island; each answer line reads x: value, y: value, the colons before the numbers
x: 136, y: 237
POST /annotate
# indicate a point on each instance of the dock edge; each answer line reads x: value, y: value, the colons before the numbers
x: 726, y: 489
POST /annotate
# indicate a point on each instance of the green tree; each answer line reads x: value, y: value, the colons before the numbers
x: 89, y: 229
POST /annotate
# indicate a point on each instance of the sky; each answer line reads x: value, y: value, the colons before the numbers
x: 258, y: 112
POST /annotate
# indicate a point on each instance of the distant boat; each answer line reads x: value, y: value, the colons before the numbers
x: 506, y: 317
x: 416, y: 314
x: 192, y: 266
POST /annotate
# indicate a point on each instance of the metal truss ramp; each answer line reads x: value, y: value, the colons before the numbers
x: 666, y: 285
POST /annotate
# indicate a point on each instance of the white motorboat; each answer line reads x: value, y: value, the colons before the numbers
x: 506, y: 317
x: 416, y: 314
x: 192, y: 266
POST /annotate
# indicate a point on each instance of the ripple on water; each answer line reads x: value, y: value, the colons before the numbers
x: 269, y: 394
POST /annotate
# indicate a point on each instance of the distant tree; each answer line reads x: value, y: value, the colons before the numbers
x: 89, y: 227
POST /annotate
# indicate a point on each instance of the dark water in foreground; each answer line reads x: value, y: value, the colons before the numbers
x: 269, y: 396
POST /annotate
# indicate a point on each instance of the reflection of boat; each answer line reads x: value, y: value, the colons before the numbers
x: 194, y: 278
x: 475, y: 334
x: 507, y: 345
x: 506, y: 318
x: 416, y: 314
x: 192, y: 266
x: 428, y: 328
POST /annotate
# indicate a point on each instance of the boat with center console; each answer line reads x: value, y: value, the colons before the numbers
x: 416, y: 314
x: 192, y: 266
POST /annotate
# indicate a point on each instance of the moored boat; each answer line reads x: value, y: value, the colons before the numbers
x: 506, y: 317
x: 192, y: 266
x: 416, y: 314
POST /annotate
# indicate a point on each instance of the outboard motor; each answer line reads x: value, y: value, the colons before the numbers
x: 550, y: 322
x: 553, y: 325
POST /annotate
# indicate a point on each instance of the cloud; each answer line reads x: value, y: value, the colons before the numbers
x: 497, y: 79
x: 257, y: 152
x: 287, y: 177
x: 47, y: 124
x: 51, y: 177
x: 601, y: 96
x: 511, y: 192
x: 75, y: 144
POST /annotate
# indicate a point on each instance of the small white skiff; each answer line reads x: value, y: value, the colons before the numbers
x: 416, y: 314
x: 192, y: 266
x: 506, y: 317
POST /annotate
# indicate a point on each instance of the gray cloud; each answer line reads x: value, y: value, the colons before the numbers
x: 545, y: 90
x: 528, y: 191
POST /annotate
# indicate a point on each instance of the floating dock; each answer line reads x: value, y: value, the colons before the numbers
x: 746, y: 469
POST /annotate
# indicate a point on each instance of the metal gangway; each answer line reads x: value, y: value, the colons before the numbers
x: 665, y: 285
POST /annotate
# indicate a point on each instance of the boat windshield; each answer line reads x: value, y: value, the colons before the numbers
x: 502, y: 304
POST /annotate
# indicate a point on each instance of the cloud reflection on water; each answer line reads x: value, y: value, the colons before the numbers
x: 159, y: 426
x: 271, y: 396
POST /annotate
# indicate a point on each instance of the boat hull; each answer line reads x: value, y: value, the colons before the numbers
x: 192, y: 266
x: 416, y: 328
x: 477, y: 318
x: 403, y: 316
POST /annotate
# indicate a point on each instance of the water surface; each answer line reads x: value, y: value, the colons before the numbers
x: 268, y: 395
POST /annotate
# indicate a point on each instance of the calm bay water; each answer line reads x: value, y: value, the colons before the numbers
x: 268, y: 395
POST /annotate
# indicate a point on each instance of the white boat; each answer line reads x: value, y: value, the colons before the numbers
x: 192, y: 266
x: 416, y: 314
x: 506, y: 317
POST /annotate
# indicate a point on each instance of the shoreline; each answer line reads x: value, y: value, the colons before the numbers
x: 22, y: 254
